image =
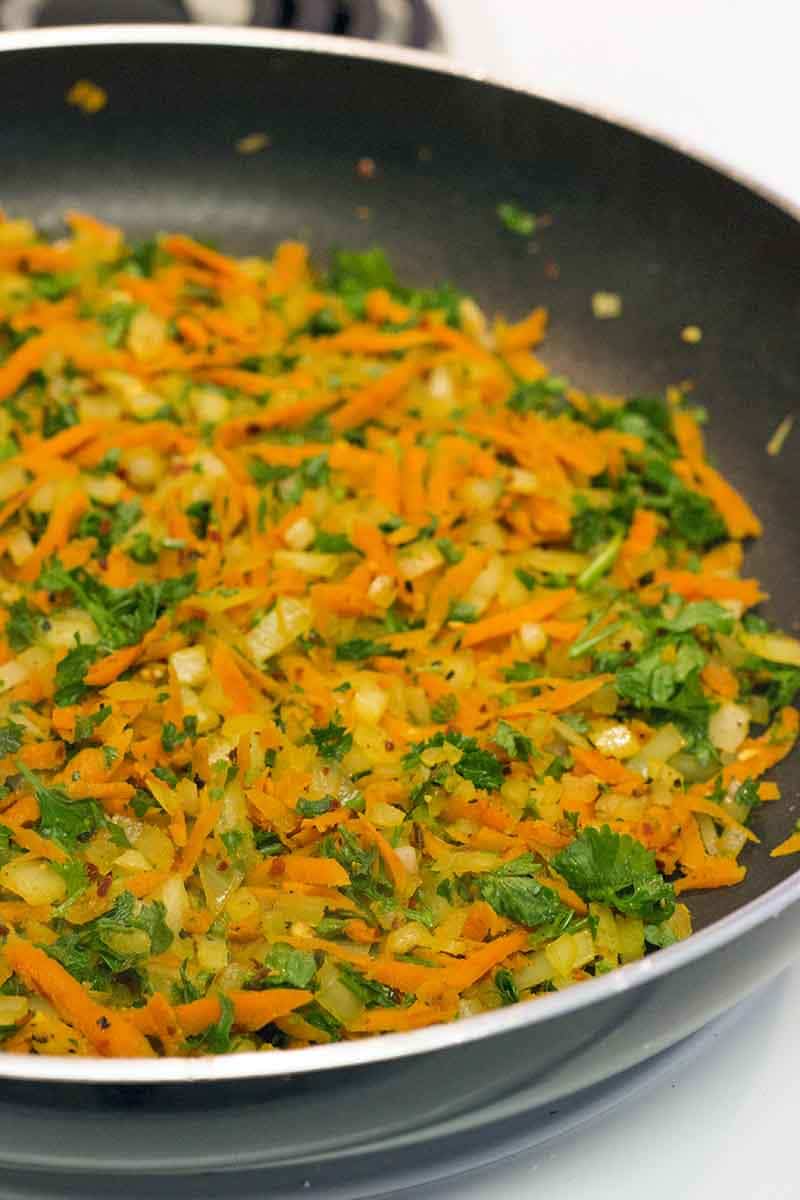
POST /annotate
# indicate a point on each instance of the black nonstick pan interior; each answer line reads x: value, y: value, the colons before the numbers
x: 679, y: 242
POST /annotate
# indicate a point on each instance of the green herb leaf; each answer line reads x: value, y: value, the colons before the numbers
x: 514, y: 892
x: 615, y: 869
x: 332, y: 741
x: 289, y: 967
x: 372, y: 993
x: 515, y: 744
x: 11, y: 735
x: 21, y: 628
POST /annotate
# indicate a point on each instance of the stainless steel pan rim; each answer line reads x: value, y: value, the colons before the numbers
x: 392, y: 1046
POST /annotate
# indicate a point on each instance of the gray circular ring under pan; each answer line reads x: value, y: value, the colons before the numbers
x: 421, y: 1120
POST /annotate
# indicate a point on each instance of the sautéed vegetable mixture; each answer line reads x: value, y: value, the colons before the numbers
x: 356, y: 672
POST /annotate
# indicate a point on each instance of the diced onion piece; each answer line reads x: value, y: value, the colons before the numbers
x: 210, y: 405
x: 300, y: 534
x: 20, y: 546
x: 12, y: 480
x: 382, y: 590
x: 69, y: 625
x: 522, y: 481
x: 474, y: 323
x: 43, y: 498
x: 408, y: 857
x: 35, y: 882
x: 775, y: 647
x: 616, y: 741
x: 242, y: 906
x: 485, y: 586
x: 12, y: 673
x: 661, y: 747
x: 630, y: 932
x: 190, y: 665
x: 418, y: 559
x: 728, y: 727
x: 279, y: 628
x: 404, y: 939
x: 440, y: 383
x: 147, y: 334
x: 318, y: 566
x: 13, y: 1010
x: 106, y: 490
x: 537, y: 970
x: 212, y: 954
x: 533, y: 638
x: 143, y: 467
x: 175, y: 901
x: 386, y: 815
x: 132, y: 860
x: 218, y: 885
x: 481, y: 494
x: 336, y: 998
x: 369, y: 701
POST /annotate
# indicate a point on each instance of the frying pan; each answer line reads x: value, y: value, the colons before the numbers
x: 680, y: 241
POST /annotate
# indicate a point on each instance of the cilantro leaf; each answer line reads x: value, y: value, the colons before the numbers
x: 506, y: 986
x: 332, y: 741
x: 522, y: 672
x: 11, y: 734
x: 289, y: 967
x: 21, y: 628
x: 70, y: 674
x: 514, y: 892
x: 701, y: 612
x: 122, y: 615
x: 217, y: 1038
x: 616, y: 870
x: 478, y: 766
x: 515, y: 744
x: 73, y: 872
x: 86, y: 725
x: 357, y: 649
x: 372, y: 993
x: 90, y: 953
x: 62, y: 819
x: 333, y: 543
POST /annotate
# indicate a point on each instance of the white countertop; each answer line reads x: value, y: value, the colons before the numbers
x: 719, y: 76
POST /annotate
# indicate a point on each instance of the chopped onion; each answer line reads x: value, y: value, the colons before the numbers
x: 190, y: 665
x: 728, y: 727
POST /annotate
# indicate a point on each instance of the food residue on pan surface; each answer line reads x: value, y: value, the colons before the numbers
x: 357, y: 672
x: 89, y: 97
x: 606, y: 306
x: 516, y: 219
x: 253, y: 143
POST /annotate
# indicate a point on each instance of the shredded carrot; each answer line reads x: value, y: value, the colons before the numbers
x: 106, y: 1029
x: 200, y: 830
x: 505, y: 623
x: 315, y: 870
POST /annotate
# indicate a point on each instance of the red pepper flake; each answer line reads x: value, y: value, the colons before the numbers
x: 104, y: 885
x: 277, y: 867
x: 366, y: 168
